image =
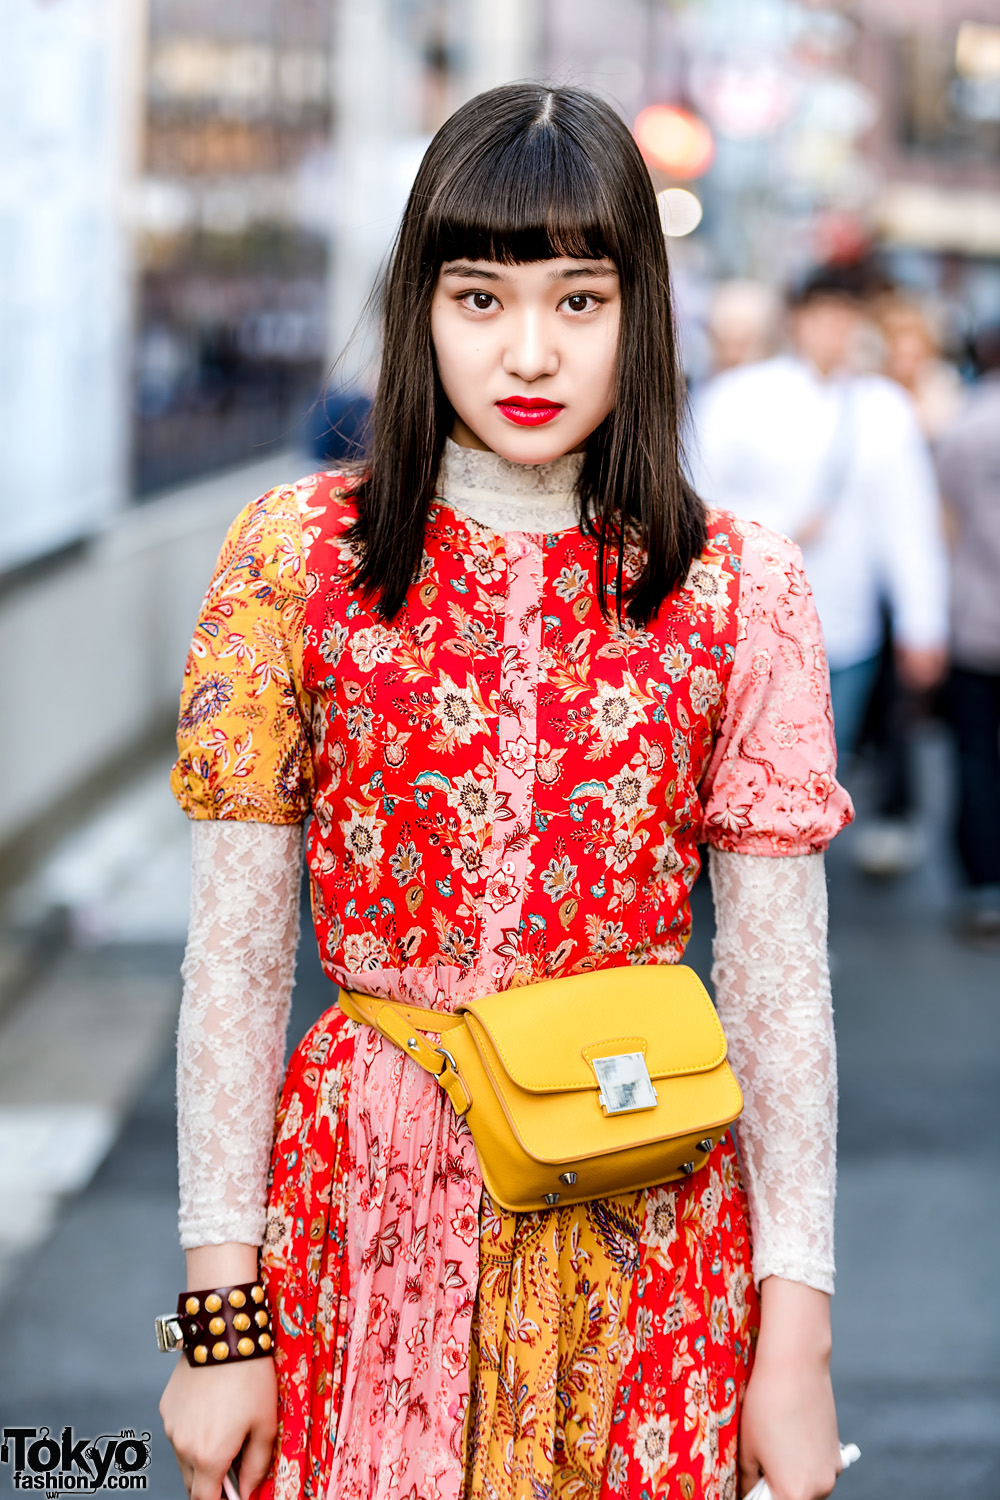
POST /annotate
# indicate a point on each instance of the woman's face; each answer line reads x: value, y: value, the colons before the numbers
x: 526, y: 354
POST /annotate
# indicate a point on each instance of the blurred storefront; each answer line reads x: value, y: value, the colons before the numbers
x: 232, y: 232
x: 937, y: 149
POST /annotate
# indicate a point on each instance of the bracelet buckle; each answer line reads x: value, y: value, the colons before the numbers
x: 169, y: 1334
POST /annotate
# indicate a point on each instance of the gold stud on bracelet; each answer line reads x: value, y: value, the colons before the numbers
x: 241, y: 1322
x: 220, y: 1350
x: 217, y: 1326
x: 261, y: 1319
x: 192, y: 1306
x: 213, y: 1303
x: 265, y: 1341
x: 257, y: 1293
x: 200, y: 1354
x: 245, y: 1346
x: 237, y: 1298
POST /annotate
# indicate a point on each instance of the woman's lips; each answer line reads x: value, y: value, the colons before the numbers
x: 529, y: 411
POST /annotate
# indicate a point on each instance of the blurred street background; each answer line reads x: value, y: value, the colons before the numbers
x: 195, y: 201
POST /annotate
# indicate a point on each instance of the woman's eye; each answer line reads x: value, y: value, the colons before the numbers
x: 481, y: 301
x: 581, y: 302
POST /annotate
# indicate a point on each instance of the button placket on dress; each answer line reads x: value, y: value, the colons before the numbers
x: 516, y: 749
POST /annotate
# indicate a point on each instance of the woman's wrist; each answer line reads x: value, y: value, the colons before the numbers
x: 231, y: 1264
x: 794, y: 1322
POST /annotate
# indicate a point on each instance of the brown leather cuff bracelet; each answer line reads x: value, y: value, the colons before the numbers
x: 226, y: 1322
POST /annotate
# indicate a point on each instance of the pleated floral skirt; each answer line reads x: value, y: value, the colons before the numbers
x: 608, y: 1344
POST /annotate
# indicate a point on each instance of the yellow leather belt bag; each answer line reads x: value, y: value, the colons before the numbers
x: 576, y: 1088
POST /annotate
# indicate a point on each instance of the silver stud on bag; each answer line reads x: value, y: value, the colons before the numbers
x: 568, y: 1179
x: 552, y: 1199
x: 707, y: 1144
x: 687, y: 1167
x: 412, y: 1043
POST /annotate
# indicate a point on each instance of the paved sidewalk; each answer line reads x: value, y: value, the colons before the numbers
x: 76, y: 1048
x: 917, y: 1311
x: 918, y: 1307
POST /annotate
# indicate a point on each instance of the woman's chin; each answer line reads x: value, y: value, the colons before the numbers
x: 530, y: 445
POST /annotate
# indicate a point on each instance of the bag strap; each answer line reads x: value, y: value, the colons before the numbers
x: 404, y: 1025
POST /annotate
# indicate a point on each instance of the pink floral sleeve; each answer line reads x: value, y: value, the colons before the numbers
x: 770, y: 787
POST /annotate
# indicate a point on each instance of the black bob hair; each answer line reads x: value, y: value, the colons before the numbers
x: 527, y: 173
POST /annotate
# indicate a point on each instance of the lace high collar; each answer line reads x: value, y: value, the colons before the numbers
x: 510, y: 497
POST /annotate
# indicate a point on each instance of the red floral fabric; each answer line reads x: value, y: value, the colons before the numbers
x: 305, y: 1265
x: 693, y: 1319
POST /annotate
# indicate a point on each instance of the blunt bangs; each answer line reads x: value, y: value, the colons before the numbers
x: 531, y: 195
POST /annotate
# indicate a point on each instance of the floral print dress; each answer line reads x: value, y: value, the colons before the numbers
x: 501, y: 787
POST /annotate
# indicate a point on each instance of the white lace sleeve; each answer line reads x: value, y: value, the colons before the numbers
x: 772, y: 983
x: 238, y: 972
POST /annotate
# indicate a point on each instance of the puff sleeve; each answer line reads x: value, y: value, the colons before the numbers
x: 770, y: 786
x: 770, y: 790
x: 243, y: 751
x: 243, y: 775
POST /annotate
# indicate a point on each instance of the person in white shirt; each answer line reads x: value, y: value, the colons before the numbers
x: 836, y: 461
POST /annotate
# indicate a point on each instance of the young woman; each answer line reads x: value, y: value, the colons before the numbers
x: 512, y: 671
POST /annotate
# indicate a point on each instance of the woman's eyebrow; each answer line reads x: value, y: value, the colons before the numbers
x: 463, y: 268
x: 575, y: 272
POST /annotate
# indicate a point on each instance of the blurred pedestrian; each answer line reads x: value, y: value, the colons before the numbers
x: 968, y: 459
x: 744, y: 323
x: 509, y: 669
x: 914, y: 358
x: 890, y: 842
x: 836, y: 461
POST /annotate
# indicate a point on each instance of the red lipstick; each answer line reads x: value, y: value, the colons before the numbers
x: 529, y: 411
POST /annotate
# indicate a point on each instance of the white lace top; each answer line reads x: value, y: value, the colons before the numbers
x: 771, y: 976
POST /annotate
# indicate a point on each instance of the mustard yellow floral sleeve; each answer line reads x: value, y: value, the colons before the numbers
x: 241, y: 736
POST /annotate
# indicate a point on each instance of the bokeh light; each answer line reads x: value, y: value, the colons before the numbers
x: 674, y: 140
x: 680, y: 211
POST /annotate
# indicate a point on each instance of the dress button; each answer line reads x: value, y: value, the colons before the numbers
x: 498, y: 971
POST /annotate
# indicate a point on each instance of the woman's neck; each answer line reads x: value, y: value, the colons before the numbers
x: 510, y: 497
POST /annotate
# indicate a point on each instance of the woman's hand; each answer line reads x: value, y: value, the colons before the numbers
x: 213, y: 1416
x: 210, y: 1415
x: 788, y: 1429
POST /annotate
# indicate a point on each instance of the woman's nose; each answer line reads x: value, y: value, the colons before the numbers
x: 530, y: 352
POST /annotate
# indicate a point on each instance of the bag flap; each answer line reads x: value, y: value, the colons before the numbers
x: 545, y: 1034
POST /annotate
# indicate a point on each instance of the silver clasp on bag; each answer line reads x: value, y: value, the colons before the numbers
x: 625, y: 1083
